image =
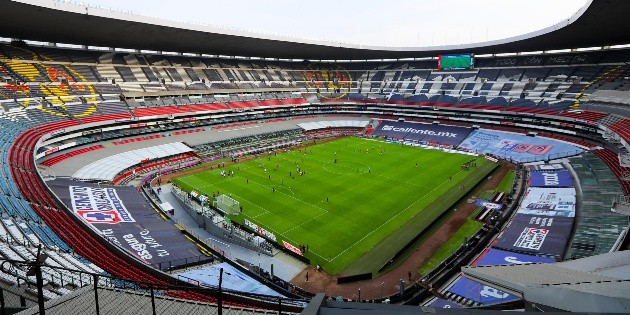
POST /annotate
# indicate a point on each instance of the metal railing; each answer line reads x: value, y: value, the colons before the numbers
x: 105, y: 294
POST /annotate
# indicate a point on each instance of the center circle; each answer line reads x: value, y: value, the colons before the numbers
x: 342, y: 167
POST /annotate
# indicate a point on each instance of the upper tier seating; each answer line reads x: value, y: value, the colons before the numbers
x: 36, y: 102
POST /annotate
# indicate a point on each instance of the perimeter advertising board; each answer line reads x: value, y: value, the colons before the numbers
x: 125, y: 218
x: 425, y: 133
x: 488, y: 205
x: 536, y: 234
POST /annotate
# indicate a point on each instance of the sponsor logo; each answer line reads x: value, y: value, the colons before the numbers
x: 51, y: 151
x: 91, y: 132
x: 515, y: 261
x: 57, y: 132
x: 95, y: 216
x: 420, y: 131
x: 551, y: 179
x: 292, y: 248
x: 99, y: 205
x: 488, y: 204
x: 531, y: 238
x: 493, y: 293
x: 490, y: 158
x: 560, y: 59
x: 532, y: 61
x: 260, y: 230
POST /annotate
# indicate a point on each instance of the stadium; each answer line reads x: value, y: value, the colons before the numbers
x: 150, y: 166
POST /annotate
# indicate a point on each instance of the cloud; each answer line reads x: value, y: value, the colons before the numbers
x: 368, y: 22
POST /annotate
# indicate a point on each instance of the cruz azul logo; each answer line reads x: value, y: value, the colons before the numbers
x: 99, y: 205
x: 330, y: 81
x: 420, y: 131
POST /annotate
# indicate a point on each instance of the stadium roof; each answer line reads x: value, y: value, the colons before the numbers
x: 594, y: 284
x: 599, y: 23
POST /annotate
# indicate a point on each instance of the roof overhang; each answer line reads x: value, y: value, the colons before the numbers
x: 598, y: 23
x: 594, y: 284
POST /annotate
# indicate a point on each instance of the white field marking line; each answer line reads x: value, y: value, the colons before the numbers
x: 245, y: 169
x: 283, y: 234
x: 298, y: 199
x: 264, y: 209
x: 282, y: 187
x: 342, y: 174
x: 373, y: 174
x: 307, y: 221
x: 235, y: 129
x: 233, y: 178
x: 208, y: 185
x: 393, y: 217
x: 255, y: 216
x: 324, y: 211
x: 310, y: 251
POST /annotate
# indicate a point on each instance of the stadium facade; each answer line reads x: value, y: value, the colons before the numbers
x: 560, y: 116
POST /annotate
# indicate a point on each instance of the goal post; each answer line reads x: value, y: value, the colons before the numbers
x: 227, y: 205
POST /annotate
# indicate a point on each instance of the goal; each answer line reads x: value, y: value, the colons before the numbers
x: 227, y: 205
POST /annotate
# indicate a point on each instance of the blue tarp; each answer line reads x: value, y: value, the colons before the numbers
x: 233, y: 279
x: 517, y: 147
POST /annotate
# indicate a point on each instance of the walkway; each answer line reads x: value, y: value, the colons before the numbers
x: 284, y: 266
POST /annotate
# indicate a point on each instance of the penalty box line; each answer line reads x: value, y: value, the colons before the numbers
x: 393, y: 217
x: 324, y: 211
x: 283, y: 234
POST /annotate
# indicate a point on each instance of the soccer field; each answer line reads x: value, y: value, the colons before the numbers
x: 355, y: 202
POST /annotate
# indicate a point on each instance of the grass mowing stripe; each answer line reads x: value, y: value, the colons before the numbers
x: 356, y: 194
x: 393, y: 217
x: 468, y: 229
x: 378, y: 256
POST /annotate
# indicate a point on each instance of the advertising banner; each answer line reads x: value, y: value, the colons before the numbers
x: 536, y: 234
x: 554, y: 202
x: 98, y: 205
x: 479, y: 293
x: 126, y: 219
x: 261, y: 231
x: 550, y: 179
x: 488, y: 205
x: 494, y: 257
x: 291, y: 248
x: 449, y: 135
x: 516, y: 147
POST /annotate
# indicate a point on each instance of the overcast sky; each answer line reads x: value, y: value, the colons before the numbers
x: 367, y: 22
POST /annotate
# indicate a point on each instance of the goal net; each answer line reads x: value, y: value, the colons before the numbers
x: 227, y: 205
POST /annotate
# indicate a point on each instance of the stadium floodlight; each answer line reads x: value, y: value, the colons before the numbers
x: 227, y: 205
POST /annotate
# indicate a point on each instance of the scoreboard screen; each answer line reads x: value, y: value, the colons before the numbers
x: 456, y: 62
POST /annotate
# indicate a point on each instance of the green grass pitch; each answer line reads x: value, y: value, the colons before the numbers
x: 359, y: 202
